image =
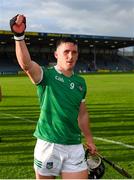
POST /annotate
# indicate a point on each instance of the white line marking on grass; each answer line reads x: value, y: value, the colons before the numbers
x: 17, y: 117
x: 98, y: 138
x: 114, y: 142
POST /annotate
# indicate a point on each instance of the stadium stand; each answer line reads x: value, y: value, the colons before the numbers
x: 96, y: 53
x: 114, y: 63
x: 8, y: 63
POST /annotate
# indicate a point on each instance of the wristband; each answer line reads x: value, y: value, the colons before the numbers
x: 20, y: 38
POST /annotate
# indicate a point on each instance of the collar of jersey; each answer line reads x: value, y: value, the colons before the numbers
x: 56, y: 68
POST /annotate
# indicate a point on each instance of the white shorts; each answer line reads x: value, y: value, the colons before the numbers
x: 51, y: 159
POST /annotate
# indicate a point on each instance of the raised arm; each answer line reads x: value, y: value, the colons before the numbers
x: 32, y: 69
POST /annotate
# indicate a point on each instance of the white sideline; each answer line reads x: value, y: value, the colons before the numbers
x: 17, y: 117
x: 97, y: 138
x: 114, y: 142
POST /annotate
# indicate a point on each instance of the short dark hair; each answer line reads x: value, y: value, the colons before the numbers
x: 66, y: 40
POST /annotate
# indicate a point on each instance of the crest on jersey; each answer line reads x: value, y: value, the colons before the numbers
x: 80, y: 88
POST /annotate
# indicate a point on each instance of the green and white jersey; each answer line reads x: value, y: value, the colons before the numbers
x: 60, y: 99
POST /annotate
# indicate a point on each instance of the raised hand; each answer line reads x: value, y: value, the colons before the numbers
x: 18, y: 25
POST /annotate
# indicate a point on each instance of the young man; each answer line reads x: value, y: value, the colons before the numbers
x: 63, y: 115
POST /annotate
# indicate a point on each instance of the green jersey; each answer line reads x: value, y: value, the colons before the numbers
x: 60, y: 97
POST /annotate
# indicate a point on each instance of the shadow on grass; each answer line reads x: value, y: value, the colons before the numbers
x: 18, y: 96
x: 108, y: 120
x: 112, y: 119
x: 16, y: 164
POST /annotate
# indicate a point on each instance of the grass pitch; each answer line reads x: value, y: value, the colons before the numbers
x: 110, y: 102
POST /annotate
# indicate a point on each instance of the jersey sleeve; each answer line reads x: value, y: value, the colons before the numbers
x: 85, y: 92
x: 41, y: 86
x: 44, y: 77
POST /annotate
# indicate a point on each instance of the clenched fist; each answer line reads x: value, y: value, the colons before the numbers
x: 18, y: 25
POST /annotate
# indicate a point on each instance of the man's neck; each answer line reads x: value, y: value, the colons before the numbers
x: 67, y: 73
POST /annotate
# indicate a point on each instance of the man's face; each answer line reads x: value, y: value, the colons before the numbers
x: 67, y: 55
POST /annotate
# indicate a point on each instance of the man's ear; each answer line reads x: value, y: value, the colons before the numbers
x: 55, y: 54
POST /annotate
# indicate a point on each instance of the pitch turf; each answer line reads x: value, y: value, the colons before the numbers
x: 110, y: 102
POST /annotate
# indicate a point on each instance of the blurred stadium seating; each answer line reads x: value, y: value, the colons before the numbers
x: 96, y: 53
